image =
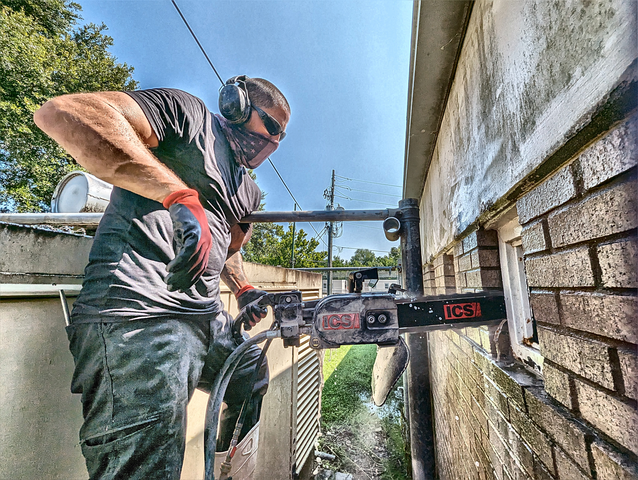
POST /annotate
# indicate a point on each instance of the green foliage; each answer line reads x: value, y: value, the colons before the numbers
x: 350, y: 379
x: 42, y: 55
x: 366, y: 258
x: 271, y: 244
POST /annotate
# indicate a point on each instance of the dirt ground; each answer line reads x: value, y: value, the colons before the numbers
x: 362, y: 445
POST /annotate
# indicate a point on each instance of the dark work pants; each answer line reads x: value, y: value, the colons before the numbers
x: 136, y: 379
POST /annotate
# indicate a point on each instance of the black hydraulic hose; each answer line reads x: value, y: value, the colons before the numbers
x: 216, y: 398
x: 239, y: 425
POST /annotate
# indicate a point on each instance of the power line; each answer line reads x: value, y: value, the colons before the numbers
x: 367, y: 191
x: 282, y: 181
x: 199, y: 44
x: 222, y: 82
x: 295, y: 200
x: 359, y: 248
x: 359, y: 200
x: 366, y: 181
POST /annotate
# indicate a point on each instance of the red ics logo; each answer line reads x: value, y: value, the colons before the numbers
x: 340, y: 321
x: 462, y: 310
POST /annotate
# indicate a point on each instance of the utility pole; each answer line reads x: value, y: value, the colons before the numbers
x: 330, y: 196
x: 292, y: 253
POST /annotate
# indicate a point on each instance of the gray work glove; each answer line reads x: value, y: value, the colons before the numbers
x: 249, y: 300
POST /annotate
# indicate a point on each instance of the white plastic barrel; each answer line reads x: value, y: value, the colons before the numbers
x: 80, y: 192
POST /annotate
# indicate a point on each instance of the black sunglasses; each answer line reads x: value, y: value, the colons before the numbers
x: 272, y: 125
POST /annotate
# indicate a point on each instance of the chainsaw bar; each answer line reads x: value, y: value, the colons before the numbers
x: 450, y: 311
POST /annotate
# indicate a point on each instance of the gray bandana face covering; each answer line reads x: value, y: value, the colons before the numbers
x: 249, y: 148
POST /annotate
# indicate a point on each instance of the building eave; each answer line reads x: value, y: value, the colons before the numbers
x: 438, y: 30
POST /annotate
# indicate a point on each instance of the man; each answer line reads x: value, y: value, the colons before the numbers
x: 149, y: 326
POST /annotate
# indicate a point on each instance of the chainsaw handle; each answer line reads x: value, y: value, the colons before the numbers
x: 244, y: 316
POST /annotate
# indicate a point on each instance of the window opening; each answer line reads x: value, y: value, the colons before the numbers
x: 521, y: 323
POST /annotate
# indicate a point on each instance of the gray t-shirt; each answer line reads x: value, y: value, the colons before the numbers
x: 124, y: 279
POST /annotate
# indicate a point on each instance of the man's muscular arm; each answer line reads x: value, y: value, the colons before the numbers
x: 233, y: 273
x: 108, y: 134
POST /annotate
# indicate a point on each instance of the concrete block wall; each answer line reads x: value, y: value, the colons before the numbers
x: 498, y: 419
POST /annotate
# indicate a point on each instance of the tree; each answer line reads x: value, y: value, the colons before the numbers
x: 366, y: 258
x: 43, y: 54
x: 271, y: 244
x: 392, y: 259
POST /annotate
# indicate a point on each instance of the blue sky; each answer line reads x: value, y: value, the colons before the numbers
x: 343, y: 65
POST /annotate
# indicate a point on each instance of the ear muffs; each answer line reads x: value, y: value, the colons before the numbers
x: 234, y: 103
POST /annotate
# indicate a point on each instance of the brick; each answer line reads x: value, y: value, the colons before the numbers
x: 473, y: 278
x: 609, y: 414
x: 612, y: 465
x: 511, y: 380
x: 557, y: 385
x: 544, y: 307
x: 608, y: 315
x: 480, y: 238
x: 521, y: 452
x: 558, y: 424
x: 506, y: 474
x: 587, y: 358
x: 465, y: 262
x: 474, y: 335
x: 537, y: 440
x: 533, y: 238
x: 459, y: 278
x: 619, y: 265
x: 540, y: 471
x: 496, y: 418
x: 497, y: 397
x: 566, y: 269
x: 606, y: 213
x: 568, y: 470
x: 493, y: 447
x: 445, y: 282
x: 482, y: 258
x: 629, y: 370
x: 458, y: 249
x: 476, y: 375
x: 483, y: 459
x: 613, y: 154
x: 483, y: 278
x: 501, y: 453
x: 487, y: 341
x: 553, y: 192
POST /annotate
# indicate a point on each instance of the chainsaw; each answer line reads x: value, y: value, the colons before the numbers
x: 354, y: 318
x: 358, y: 317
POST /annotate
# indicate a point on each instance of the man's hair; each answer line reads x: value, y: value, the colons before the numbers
x: 264, y: 94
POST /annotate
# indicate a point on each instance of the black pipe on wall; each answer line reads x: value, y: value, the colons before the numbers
x: 419, y: 393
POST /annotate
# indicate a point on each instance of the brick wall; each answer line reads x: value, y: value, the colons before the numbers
x: 494, y: 417
x: 580, y: 256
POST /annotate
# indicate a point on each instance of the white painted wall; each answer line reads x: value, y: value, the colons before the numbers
x: 529, y: 76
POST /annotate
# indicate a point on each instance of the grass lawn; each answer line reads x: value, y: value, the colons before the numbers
x: 368, y: 441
